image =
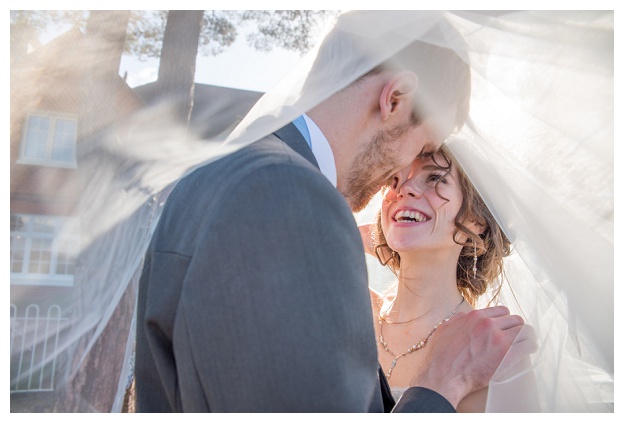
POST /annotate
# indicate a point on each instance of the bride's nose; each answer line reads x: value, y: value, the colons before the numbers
x: 409, y: 189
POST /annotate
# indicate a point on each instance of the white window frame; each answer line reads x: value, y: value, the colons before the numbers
x: 60, y: 234
x: 48, y: 160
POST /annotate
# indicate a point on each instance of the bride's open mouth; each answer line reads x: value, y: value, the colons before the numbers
x: 410, y: 216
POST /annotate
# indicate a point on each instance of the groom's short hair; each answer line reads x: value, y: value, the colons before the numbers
x: 444, y: 77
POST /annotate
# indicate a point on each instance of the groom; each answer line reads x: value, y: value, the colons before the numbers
x: 254, y: 296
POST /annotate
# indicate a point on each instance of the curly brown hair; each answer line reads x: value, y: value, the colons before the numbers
x: 492, y: 244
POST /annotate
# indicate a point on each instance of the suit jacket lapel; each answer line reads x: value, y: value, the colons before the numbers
x: 291, y: 136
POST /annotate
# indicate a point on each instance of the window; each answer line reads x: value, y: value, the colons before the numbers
x: 49, y: 141
x: 43, y: 249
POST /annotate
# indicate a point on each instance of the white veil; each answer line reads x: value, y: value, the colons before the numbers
x: 538, y: 146
x: 540, y: 151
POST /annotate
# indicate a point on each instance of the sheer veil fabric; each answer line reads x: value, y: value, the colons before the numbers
x: 538, y: 146
x: 539, y: 149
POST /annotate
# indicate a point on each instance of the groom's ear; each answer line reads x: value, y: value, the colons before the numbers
x: 396, y: 95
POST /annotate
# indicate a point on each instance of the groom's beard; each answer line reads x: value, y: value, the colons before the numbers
x: 380, y: 153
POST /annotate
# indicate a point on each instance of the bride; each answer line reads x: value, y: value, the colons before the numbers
x: 437, y: 236
x: 538, y: 147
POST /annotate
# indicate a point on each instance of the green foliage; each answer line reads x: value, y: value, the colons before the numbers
x: 145, y: 33
x: 218, y: 31
x: 290, y: 29
x: 293, y: 30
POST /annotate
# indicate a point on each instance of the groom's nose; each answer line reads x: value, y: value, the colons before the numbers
x: 400, y: 182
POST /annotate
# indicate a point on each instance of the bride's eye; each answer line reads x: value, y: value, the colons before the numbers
x: 435, y: 177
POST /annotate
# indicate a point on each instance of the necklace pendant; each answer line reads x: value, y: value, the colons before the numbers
x: 394, y: 362
x: 416, y: 347
x: 383, y: 343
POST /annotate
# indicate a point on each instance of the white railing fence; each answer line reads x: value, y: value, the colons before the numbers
x: 34, y: 344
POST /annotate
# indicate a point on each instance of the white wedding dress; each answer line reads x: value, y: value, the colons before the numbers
x: 538, y: 147
x: 397, y: 392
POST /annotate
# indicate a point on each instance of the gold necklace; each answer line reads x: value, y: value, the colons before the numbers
x: 384, y: 317
x: 415, y: 347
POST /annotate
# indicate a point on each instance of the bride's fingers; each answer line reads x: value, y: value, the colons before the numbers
x: 367, y: 238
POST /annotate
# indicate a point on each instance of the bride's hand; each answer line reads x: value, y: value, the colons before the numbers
x: 367, y: 239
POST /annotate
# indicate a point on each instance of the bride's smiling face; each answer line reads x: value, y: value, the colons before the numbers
x: 386, y: 153
x: 419, y: 210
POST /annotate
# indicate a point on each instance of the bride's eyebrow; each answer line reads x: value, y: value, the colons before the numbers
x: 427, y: 151
x: 436, y: 167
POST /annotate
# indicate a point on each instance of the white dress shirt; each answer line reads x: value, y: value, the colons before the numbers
x: 322, y: 151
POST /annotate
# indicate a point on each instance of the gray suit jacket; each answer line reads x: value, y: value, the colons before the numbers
x: 254, y: 297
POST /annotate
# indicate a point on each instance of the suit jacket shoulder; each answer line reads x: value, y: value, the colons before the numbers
x: 254, y: 281
x: 254, y: 296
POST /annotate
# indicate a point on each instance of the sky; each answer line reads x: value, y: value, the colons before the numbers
x: 228, y: 69
x: 231, y: 68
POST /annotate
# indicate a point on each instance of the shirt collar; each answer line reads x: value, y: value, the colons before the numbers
x: 322, y: 151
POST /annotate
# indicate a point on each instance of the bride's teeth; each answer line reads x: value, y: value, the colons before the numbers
x: 410, y: 215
